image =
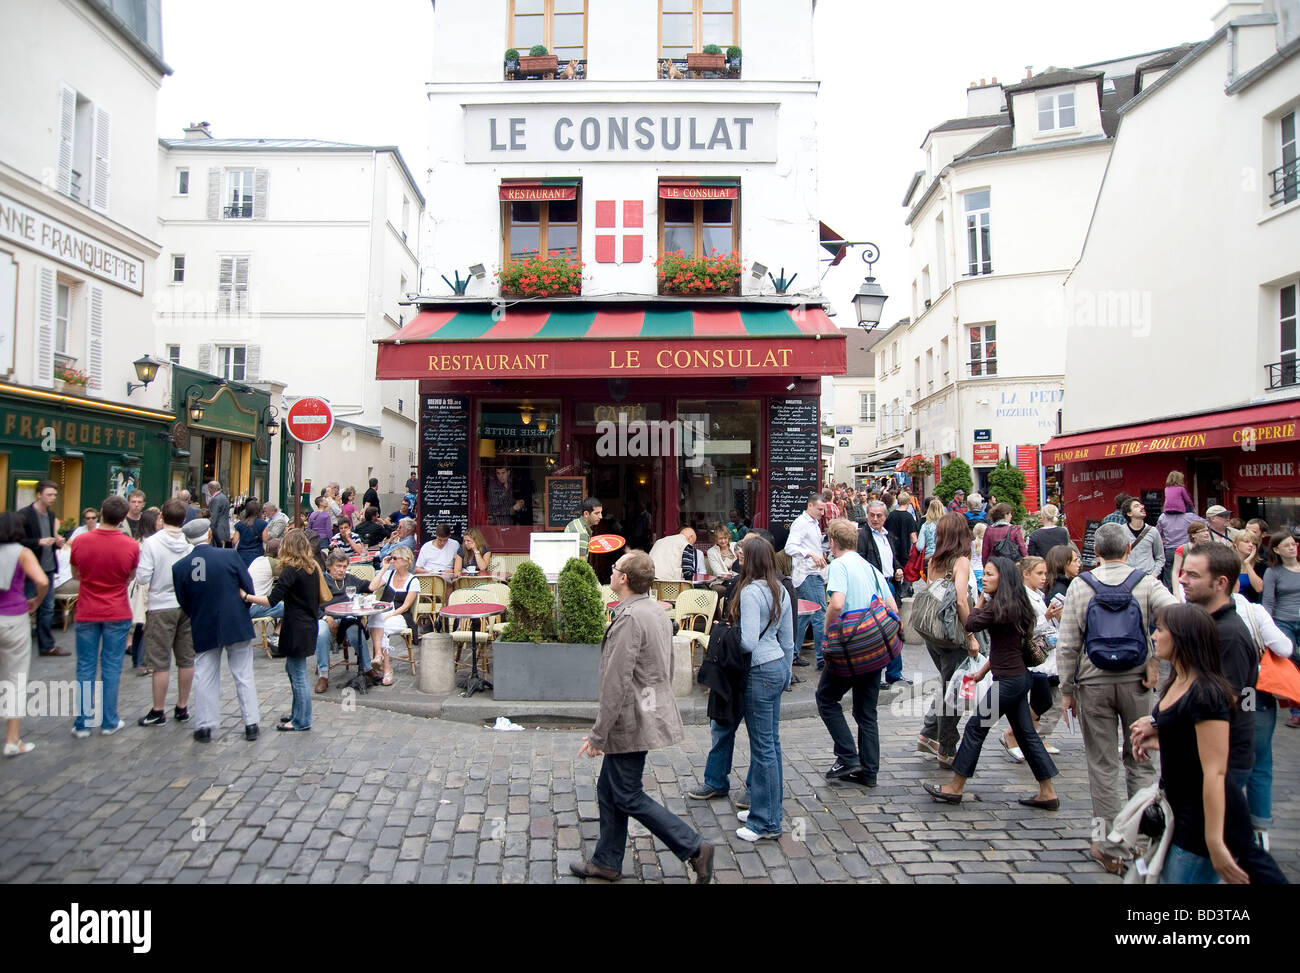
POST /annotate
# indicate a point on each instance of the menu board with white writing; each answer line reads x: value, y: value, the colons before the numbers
x: 444, y: 464
x: 794, y: 458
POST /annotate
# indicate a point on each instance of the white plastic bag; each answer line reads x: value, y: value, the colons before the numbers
x: 964, y: 693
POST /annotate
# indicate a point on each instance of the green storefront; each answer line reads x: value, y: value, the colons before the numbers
x: 89, y: 448
x: 220, y: 433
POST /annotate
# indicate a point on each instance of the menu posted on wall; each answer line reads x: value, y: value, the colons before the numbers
x: 444, y: 464
x: 794, y: 458
x: 564, y: 496
x: 1088, y: 556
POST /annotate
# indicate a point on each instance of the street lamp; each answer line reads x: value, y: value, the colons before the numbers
x: 869, y: 301
x: 193, y: 404
x: 271, y: 416
x: 146, y: 370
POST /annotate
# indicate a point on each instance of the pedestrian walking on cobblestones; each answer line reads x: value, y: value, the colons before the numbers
x: 952, y: 556
x: 167, y: 633
x: 17, y: 565
x: 637, y: 714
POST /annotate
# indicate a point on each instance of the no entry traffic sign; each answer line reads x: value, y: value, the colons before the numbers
x: 309, y: 420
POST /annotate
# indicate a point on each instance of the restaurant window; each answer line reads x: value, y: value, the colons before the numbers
x: 699, y: 226
x: 983, y: 350
x: 558, y: 25
x: 1055, y: 111
x: 979, y: 256
x: 521, y: 437
x: 540, y: 226
x: 686, y: 26
x: 717, y: 470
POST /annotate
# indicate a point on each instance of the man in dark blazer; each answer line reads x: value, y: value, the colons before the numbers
x: 43, y: 540
x: 209, y: 585
x: 869, y: 549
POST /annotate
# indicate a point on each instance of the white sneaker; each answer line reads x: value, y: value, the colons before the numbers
x: 742, y: 815
x: 108, y: 731
x: 80, y: 734
x: 744, y: 834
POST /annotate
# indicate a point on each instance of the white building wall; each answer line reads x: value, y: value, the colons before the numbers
x: 847, y: 411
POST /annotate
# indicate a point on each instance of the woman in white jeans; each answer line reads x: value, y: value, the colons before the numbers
x: 396, y: 584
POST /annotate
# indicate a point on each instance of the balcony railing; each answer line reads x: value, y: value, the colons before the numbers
x: 678, y: 68
x: 985, y: 366
x: 867, y: 417
x: 572, y: 70
x: 1286, y: 183
x: 240, y: 211
x: 1282, y: 374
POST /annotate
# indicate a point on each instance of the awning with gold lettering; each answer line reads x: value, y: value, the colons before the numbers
x: 616, y: 340
x: 537, y: 191
x: 699, y: 189
x: 1239, y: 428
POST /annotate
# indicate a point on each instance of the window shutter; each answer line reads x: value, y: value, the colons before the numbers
x: 95, y: 337
x: 46, y: 295
x: 67, y: 128
x: 260, y: 179
x: 240, y: 298
x: 101, y: 143
x: 252, y: 363
x: 225, y: 284
x: 205, y: 358
x: 214, y: 194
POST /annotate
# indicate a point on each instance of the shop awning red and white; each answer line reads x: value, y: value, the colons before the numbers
x: 1246, y: 429
x: 613, y: 341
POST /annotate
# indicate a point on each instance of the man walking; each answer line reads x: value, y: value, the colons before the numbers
x: 585, y: 523
x: 877, y: 549
x: 166, y: 628
x: 804, y: 545
x: 218, y: 515
x: 210, y: 585
x: 103, y: 560
x: 637, y: 714
x: 1107, y: 701
x: 43, y: 540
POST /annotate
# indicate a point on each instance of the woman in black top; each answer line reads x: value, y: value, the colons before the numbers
x: 1211, y: 821
x: 1063, y: 566
x: 1005, y: 612
x: 1049, y: 535
x: 301, y: 586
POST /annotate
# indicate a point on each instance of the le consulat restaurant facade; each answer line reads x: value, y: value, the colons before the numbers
x: 675, y: 393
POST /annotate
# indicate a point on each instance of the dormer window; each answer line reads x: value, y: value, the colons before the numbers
x: 1055, y: 111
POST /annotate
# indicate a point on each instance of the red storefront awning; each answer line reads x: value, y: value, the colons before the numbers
x: 613, y: 341
x: 536, y: 192
x: 1258, y: 425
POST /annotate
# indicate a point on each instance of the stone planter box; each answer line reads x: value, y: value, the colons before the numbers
x: 545, y: 671
x: 544, y: 65
x: 706, y: 62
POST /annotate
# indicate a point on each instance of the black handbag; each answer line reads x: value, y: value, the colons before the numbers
x: 1035, y: 651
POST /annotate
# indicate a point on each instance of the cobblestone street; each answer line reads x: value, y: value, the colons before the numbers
x: 375, y: 796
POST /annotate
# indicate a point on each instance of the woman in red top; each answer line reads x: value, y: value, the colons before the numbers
x: 104, y: 560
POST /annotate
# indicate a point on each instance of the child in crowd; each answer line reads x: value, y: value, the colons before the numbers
x: 1177, y: 499
x: 976, y: 554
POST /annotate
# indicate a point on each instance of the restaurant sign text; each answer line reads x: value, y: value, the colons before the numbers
x: 35, y: 231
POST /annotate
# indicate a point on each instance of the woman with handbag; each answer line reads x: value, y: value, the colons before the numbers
x: 950, y: 572
x: 1004, y: 610
x: 1044, y: 696
x: 1282, y: 596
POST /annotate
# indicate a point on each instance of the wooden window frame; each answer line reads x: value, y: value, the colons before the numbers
x: 548, y: 27
x: 697, y: 25
x: 543, y: 228
x: 699, y: 225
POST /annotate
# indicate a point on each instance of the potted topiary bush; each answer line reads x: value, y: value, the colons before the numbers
x: 710, y: 59
x: 538, y: 61
x: 955, y: 476
x: 512, y: 59
x: 532, y: 609
x: 582, y: 615
x: 733, y: 58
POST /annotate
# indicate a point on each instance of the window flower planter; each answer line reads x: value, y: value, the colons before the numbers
x: 705, y: 62
x: 538, y: 276
x: 713, y: 275
x: 544, y: 65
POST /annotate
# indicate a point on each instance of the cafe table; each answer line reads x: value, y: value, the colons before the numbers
x: 475, y: 612
x: 351, y: 609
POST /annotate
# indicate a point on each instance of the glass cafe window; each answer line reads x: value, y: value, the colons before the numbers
x: 718, y: 471
x: 523, y: 438
x: 698, y: 227
x: 541, y: 227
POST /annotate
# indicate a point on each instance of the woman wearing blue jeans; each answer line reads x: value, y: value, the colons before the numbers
x: 762, y: 609
x: 1282, y: 596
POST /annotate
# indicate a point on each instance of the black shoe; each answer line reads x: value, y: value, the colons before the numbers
x: 742, y: 803
x: 903, y: 679
x: 800, y: 662
x: 182, y: 714
x: 155, y: 717
x: 861, y: 778
x: 203, y: 736
x: 250, y: 731
x: 702, y: 863
x: 704, y: 793
x: 821, y: 665
x: 841, y: 770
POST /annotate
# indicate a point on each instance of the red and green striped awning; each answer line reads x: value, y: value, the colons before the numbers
x: 587, y: 341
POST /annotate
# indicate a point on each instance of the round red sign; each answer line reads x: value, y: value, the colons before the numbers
x: 309, y: 420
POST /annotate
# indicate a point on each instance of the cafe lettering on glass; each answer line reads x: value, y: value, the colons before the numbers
x: 794, y: 458
x: 444, y: 464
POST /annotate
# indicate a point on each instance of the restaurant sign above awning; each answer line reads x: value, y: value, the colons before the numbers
x: 538, y: 191
x: 699, y: 189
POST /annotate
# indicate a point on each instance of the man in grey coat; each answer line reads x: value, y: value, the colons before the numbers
x: 637, y: 713
x: 219, y: 515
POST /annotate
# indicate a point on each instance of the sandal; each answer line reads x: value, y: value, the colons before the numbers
x: 1109, y: 863
x: 925, y: 744
x: 388, y: 678
x: 946, y: 762
x: 21, y: 747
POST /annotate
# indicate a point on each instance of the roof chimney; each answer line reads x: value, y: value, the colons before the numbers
x: 200, y: 131
x: 985, y: 98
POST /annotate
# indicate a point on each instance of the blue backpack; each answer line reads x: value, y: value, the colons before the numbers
x: 1116, y: 638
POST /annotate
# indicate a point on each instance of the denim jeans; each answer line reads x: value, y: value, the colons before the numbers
x: 1183, y: 867
x: 301, y: 713
x: 137, y: 646
x: 1259, y: 785
x: 100, y: 648
x: 620, y: 796
x: 941, y: 719
x: 1009, y: 697
x: 717, y: 766
x: 812, y: 589
x: 44, y: 614
x: 1292, y: 631
x: 261, y: 611
x: 359, y: 637
x: 763, y: 695
x: 866, y: 696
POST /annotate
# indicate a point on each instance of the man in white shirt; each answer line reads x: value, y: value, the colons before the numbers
x: 804, y: 545
x: 438, y: 554
x: 667, y: 554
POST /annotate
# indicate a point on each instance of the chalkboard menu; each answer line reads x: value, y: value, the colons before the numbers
x: 564, y: 496
x: 1154, y: 501
x: 794, y: 458
x: 1088, y: 556
x: 444, y: 464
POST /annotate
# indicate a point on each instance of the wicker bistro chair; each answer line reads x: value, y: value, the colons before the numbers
x: 463, y: 629
x: 694, y: 606
x: 669, y: 590
x: 433, y: 591
x: 499, y: 592
x: 366, y: 572
x: 606, y: 596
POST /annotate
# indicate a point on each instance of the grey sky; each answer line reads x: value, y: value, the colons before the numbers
x: 336, y: 69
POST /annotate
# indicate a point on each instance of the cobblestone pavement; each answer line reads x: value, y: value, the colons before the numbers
x: 374, y: 796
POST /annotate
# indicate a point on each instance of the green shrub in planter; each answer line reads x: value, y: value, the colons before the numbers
x: 531, y: 606
x: 711, y: 49
x: 955, y: 476
x: 733, y: 53
x: 538, y: 50
x: 582, y: 616
x: 1007, y: 483
x: 512, y: 56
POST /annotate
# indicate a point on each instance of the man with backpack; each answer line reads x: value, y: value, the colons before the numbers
x: 1107, y: 670
x: 1003, y: 538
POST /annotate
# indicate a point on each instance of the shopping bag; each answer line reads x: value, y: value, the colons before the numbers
x: 964, y: 692
x: 1278, y: 676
